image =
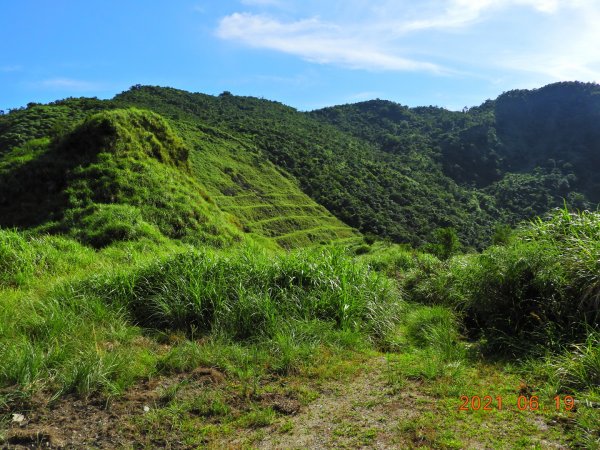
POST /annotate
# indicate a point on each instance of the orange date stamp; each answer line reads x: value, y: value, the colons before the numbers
x: 523, y: 403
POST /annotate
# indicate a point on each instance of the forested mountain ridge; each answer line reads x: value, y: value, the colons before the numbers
x: 386, y: 169
x: 528, y: 150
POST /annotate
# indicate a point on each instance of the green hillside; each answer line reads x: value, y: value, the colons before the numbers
x: 385, y: 169
x: 401, y: 199
x: 166, y: 278
x: 121, y: 174
x: 401, y: 173
x: 128, y: 168
x: 266, y: 201
x: 512, y: 158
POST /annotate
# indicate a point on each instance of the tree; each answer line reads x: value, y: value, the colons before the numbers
x: 445, y: 243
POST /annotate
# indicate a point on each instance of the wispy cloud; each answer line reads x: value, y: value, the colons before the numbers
x: 69, y: 84
x: 555, y: 39
x: 315, y: 41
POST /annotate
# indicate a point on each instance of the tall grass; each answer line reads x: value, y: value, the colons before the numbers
x: 24, y: 259
x: 101, y: 331
x: 541, y: 288
x: 251, y: 293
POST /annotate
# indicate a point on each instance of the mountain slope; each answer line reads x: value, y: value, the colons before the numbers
x: 520, y: 155
x: 134, y: 167
x: 121, y: 174
x: 372, y: 190
x: 385, y: 169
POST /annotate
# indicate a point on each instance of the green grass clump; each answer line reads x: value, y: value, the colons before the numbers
x: 250, y: 293
x: 393, y: 259
x: 579, y: 367
x: 23, y: 259
x: 101, y: 224
x: 72, y: 347
x: 101, y: 326
x: 542, y: 288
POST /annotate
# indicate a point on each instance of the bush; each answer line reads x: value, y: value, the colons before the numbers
x: 251, y: 294
x: 393, y: 259
x: 444, y: 244
x: 543, y: 287
x: 102, y: 224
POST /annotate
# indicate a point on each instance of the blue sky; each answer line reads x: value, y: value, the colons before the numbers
x: 305, y: 53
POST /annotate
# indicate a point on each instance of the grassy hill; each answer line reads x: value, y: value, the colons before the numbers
x: 367, y: 188
x: 130, y: 168
x: 119, y: 175
x: 385, y: 169
x: 266, y: 200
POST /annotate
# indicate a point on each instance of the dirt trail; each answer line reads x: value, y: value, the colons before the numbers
x: 367, y: 408
x: 369, y: 411
x: 363, y: 412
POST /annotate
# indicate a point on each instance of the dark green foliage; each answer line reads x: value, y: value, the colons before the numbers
x: 385, y: 169
x: 444, y: 243
x: 37, y: 121
x: 502, y: 234
x: 540, y: 288
x: 553, y: 127
x: 513, y: 158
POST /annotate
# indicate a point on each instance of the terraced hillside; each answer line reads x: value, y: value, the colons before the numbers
x: 404, y: 198
x: 217, y: 169
x: 267, y: 201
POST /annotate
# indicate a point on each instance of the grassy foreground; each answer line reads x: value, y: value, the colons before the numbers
x: 190, y: 346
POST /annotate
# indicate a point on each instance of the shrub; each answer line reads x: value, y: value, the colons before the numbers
x: 250, y: 294
x: 102, y: 224
x: 444, y: 244
x: 541, y: 288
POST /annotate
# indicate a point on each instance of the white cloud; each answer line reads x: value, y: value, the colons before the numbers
x: 550, y: 39
x: 463, y: 13
x: 315, y: 41
x: 569, y: 52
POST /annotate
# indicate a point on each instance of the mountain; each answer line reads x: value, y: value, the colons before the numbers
x: 261, y: 169
x: 519, y: 156
x: 126, y: 173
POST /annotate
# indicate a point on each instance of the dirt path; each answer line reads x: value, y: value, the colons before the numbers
x: 366, y: 407
x: 371, y: 409
x: 363, y: 412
